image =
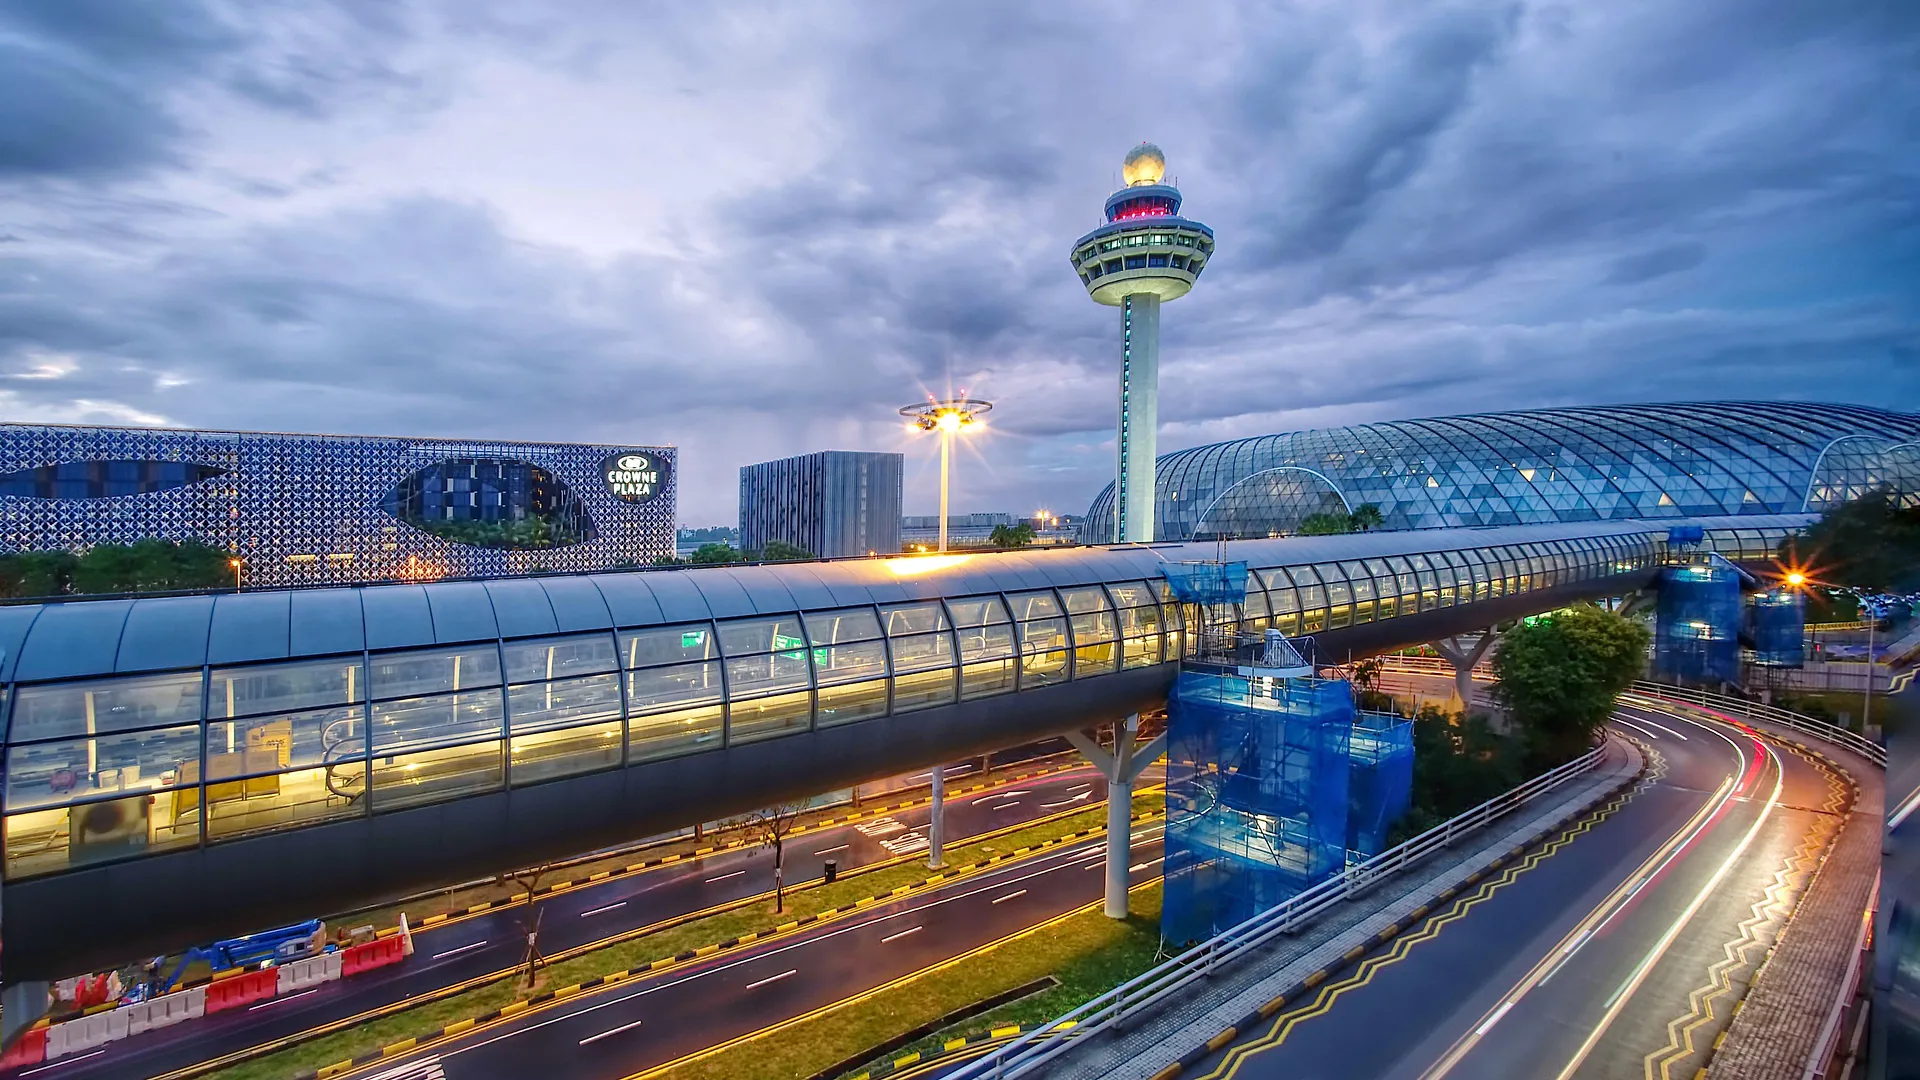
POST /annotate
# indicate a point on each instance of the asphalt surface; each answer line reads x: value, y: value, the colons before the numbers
x: 1897, y: 974
x: 651, y: 1022
x: 1582, y: 964
x: 455, y: 951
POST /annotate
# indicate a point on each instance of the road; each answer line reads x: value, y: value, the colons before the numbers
x: 1897, y: 967
x: 471, y: 948
x: 1618, y: 952
x: 638, y: 1026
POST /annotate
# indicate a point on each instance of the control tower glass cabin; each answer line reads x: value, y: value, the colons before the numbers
x: 1146, y: 253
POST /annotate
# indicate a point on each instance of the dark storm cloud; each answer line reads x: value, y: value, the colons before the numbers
x: 1421, y: 208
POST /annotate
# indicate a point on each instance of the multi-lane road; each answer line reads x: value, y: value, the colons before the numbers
x: 1617, y: 950
x: 472, y: 948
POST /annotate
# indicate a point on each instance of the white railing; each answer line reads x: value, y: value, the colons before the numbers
x: 1753, y: 710
x: 1028, y: 1052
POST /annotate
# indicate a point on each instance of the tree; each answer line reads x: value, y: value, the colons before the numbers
x: 37, y: 573
x: 1324, y: 525
x: 714, y: 555
x: 770, y: 827
x: 1558, y: 677
x: 528, y: 881
x: 1365, y: 517
x: 781, y: 551
x: 1870, y: 543
x: 1011, y: 536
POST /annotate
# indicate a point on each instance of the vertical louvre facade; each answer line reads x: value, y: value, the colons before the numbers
x: 833, y: 504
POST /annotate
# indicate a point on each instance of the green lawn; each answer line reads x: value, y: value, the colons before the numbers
x: 636, y: 951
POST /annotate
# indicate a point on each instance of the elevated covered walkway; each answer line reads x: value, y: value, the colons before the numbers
x: 184, y: 768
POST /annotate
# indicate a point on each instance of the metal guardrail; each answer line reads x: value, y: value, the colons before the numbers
x: 1032, y: 1050
x: 1753, y: 710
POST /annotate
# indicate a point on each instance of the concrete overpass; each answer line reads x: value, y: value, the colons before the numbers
x: 183, y: 768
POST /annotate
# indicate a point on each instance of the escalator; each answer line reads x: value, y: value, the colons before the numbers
x: 343, y: 750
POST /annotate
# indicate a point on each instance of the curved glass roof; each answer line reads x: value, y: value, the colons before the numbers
x: 1609, y: 462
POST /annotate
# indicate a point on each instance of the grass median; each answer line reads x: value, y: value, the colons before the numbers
x: 622, y: 955
x: 1087, y: 953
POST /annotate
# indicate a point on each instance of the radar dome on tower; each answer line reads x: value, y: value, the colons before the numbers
x: 1145, y: 164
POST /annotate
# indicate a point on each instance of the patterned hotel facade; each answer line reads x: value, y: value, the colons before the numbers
x: 332, y: 509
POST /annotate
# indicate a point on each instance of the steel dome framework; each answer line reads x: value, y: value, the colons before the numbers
x: 1547, y: 465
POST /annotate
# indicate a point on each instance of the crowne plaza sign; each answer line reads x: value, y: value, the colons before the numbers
x: 633, y: 475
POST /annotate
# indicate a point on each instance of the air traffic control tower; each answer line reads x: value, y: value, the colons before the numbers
x: 1146, y: 253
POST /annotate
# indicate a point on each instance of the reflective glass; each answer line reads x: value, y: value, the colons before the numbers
x: 1043, y: 638
x: 914, y: 618
x: 750, y: 637
x: 563, y: 703
x: 55, y: 710
x: 850, y: 624
x: 430, y: 671
x: 436, y: 775
x: 415, y: 723
x: 304, y: 684
x: 73, y: 770
x: 655, y: 646
x: 922, y: 671
x: 561, y: 657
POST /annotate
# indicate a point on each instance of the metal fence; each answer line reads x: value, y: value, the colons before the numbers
x: 1753, y: 710
x: 1024, y: 1055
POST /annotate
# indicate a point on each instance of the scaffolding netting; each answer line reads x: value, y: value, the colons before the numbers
x: 1380, y: 784
x: 1208, y: 583
x: 1779, y: 621
x: 1697, y: 624
x: 1257, y: 775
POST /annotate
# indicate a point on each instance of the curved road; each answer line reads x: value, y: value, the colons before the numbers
x: 1620, y: 954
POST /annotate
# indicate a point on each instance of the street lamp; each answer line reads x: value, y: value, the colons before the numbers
x: 948, y: 418
x: 235, y: 563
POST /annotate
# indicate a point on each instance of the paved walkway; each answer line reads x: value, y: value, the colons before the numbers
x: 1786, y: 1011
x: 1146, y: 1048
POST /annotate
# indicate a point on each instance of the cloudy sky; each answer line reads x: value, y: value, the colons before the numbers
x: 753, y: 230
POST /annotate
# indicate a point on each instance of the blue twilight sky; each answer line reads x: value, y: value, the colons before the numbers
x: 756, y: 229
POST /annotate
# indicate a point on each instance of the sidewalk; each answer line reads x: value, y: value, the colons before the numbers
x: 1156, y: 1048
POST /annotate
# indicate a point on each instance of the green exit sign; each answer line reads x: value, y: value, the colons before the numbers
x: 693, y: 639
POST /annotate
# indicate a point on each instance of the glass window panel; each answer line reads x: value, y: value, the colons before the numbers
x: 851, y: 624
x: 1303, y: 575
x: 432, y: 671
x: 855, y: 701
x: 1132, y: 594
x: 72, y: 770
x: 922, y: 672
x: 750, y: 637
x: 766, y: 717
x: 286, y: 800
x: 1360, y: 580
x: 748, y: 676
x: 563, y: 703
x: 46, y: 841
x: 417, y: 723
x: 1034, y: 605
x: 559, y: 658
x: 1040, y: 667
x: 667, y: 688
x: 62, y: 710
x: 986, y: 659
x: 1337, y: 592
x: 850, y: 662
x: 436, y: 775
x: 290, y: 740
x: 658, y: 646
x: 548, y: 755
x: 273, y: 688
x: 914, y: 618
x: 669, y: 732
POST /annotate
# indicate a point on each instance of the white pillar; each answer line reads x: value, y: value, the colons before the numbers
x: 936, y: 824
x: 1138, y: 441
x: 1119, y: 817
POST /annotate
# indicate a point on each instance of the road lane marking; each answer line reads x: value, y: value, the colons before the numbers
x: 1005, y: 805
x: 901, y: 934
x: 604, y: 910
x: 615, y: 1031
x: 1139, y: 866
x: 999, y: 795
x: 723, y: 877
x: 63, y: 1061
x: 1087, y: 794
x: 1664, y: 728
x: 278, y: 1000
x: 1009, y: 896
x: 831, y: 850
x: 1494, y: 1019
x: 774, y: 978
x: 1624, y: 722
x: 461, y: 949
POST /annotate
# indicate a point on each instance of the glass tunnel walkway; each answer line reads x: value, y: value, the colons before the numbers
x: 140, y: 729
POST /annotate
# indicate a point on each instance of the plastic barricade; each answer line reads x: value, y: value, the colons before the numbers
x: 374, y: 954
x: 166, y: 1009
x: 312, y: 971
x: 85, y: 1033
x: 241, y: 990
x: 30, y: 1050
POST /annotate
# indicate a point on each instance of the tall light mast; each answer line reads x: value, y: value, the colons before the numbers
x: 1146, y: 253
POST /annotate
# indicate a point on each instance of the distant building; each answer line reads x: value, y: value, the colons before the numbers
x: 834, y: 503
x: 922, y: 531
x: 338, y: 509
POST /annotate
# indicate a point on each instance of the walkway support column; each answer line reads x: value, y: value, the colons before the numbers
x: 937, y: 823
x: 1121, y: 768
x: 1463, y: 658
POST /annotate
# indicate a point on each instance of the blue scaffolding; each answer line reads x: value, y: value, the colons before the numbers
x: 1208, y: 583
x: 1697, y: 622
x: 1256, y: 795
x: 1778, y: 618
x: 1380, y: 783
